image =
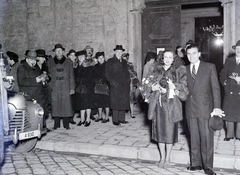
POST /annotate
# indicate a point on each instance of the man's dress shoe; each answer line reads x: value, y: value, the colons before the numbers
x: 194, y: 168
x: 209, y: 172
x: 228, y: 139
x: 124, y: 122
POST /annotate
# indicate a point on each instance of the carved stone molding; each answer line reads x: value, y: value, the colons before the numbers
x: 138, y: 6
x: 224, y: 2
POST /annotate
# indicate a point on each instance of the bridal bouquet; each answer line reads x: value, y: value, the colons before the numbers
x: 146, y: 87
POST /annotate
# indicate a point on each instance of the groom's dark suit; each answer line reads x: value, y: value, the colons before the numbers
x: 203, y: 97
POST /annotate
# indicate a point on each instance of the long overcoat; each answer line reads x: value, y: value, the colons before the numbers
x: 119, y: 79
x: 232, y: 90
x: 62, y: 81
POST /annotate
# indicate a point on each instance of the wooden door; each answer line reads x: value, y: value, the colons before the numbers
x: 161, y: 28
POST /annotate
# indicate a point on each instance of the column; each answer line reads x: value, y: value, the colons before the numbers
x: 135, y: 34
x: 231, y: 25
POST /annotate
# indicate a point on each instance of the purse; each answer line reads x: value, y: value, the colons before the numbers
x: 101, y: 88
x: 82, y: 89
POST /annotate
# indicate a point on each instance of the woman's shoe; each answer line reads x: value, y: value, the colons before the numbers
x: 98, y: 119
x: 161, y: 163
x: 228, y: 139
x: 87, y: 124
x: 105, y: 120
x: 80, y: 123
x: 166, y: 164
x: 132, y: 116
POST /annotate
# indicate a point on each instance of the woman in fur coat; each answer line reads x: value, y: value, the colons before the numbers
x: 167, y: 87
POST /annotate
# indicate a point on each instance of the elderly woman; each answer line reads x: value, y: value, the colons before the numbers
x: 84, y: 88
x: 167, y: 87
x: 101, y: 96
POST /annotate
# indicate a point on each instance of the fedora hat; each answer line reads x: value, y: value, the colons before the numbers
x: 12, y: 56
x: 237, y: 44
x: 31, y: 54
x: 215, y: 123
x: 71, y: 51
x: 81, y: 52
x: 58, y: 46
x: 41, y: 53
x: 98, y: 54
x: 119, y: 47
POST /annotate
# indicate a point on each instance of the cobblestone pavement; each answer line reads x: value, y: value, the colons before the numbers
x: 40, y: 162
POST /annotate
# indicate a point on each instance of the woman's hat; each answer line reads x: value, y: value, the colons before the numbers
x: 215, y: 123
x: 237, y: 44
x: 12, y: 56
x: 41, y: 53
x: 98, y: 54
x: 119, y: 47
x: 58, y: 46
x: 82, y: 52
x: 31, y: 54
x: 88, y: 47
x: 71, y: 51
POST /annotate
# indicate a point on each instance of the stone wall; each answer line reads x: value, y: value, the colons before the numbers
x: 28, y: 24
x: 13, y: 19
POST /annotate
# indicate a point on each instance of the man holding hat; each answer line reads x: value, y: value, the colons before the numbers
x: 63, y: 85
x: 118, y: 76
x: 230, y: 79
x: 203, y: 102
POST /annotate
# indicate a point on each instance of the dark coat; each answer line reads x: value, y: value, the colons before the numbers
x: 119, y: 79
x: 100, y: 100
x: 83, y: 77
x: 27, y: 81
x: 232, y: 90
x: 62, y: 81
x: 204, y: 93
x: 13, y: 73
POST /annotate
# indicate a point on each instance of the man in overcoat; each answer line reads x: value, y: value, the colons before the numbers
x: 203, y: 101
x: 63, y: 86
x: 230, y: 79
x: 118, y: 76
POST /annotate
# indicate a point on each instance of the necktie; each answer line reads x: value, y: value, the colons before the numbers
x: 193, y: 72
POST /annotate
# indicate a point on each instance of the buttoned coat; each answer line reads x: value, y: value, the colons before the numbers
x: 232, y: 90
x: 119, y: 79
x: 62, y: 81
x: 204, y: 93
x: 26, y: 76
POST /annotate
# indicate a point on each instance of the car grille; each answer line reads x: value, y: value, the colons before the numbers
x: 19, y: 121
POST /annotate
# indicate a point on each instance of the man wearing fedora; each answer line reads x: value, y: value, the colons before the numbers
x: 118, y: 76
x: 30, y: 78
x: 62, y: 84
x: 46, y: 91
x: 203, y: 102
x: 230, y: 79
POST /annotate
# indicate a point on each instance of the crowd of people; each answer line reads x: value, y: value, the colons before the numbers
x: 176, y: 84
x: 76, y: 85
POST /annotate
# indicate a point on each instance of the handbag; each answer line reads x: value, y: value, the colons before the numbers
x: 101, y: 88
x: 82, y: 89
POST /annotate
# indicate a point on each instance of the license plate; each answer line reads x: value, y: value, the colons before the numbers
x: 30, y: 134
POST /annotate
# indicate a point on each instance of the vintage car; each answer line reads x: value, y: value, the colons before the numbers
x: 21, y: 119
x: 25, y: 123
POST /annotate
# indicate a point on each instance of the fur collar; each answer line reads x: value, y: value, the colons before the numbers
x: 88, y: 63
x: 57, y: 61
